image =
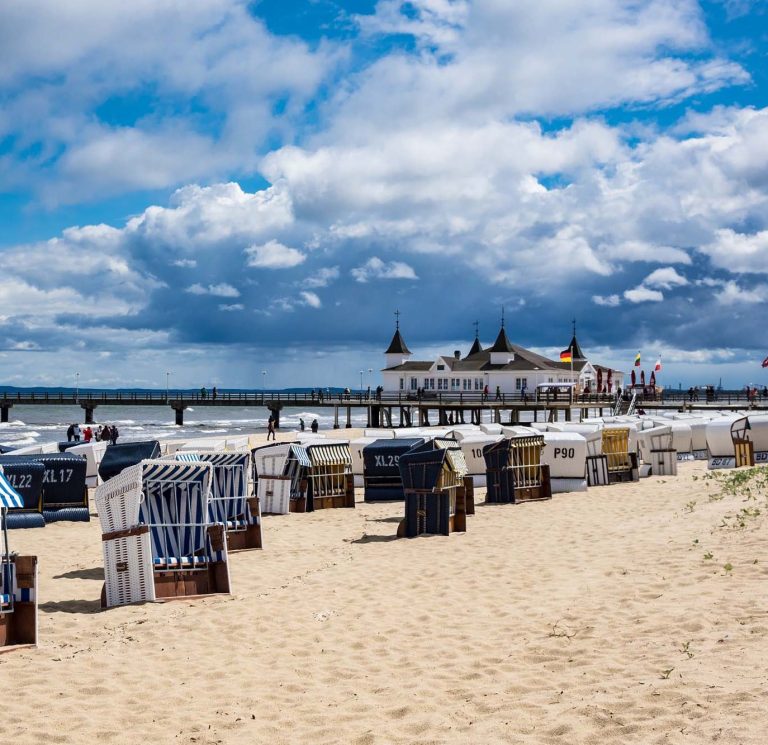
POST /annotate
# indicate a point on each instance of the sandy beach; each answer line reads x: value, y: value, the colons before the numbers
x: 633, y: 613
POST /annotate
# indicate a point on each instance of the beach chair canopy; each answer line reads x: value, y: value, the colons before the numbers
x: 382, y: 457
x: 327, y: 454
x: 26, y: 477
x: 300, y: 454
x: 9, y: 498
x: 118, y: 457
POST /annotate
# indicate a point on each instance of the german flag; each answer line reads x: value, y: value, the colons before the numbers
x: 566, y: 356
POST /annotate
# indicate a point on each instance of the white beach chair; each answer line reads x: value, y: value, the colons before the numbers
x: 158, y: 538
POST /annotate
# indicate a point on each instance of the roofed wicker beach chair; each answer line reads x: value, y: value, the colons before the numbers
x: 622, y: 465
x: 514, y: 471
x: 329, y: 476
x: 656, y: 450
x: 157, y: 535
x: 435, y: 487
x: 65, y: 494
x: 18, y: 580
x: 750, y: 440
x: 232, y: 501
x: 280, y: 476
x: 26, y: 477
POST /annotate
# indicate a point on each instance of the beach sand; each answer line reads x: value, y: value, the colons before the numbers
x: 591, y: 618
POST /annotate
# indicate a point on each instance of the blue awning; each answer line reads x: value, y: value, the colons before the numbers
x: 300, y: 453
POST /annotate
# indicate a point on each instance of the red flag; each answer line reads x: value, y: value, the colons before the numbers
x: 765, y: 362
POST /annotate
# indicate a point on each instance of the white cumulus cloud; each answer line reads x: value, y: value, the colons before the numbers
x: 643, y: 295
x: 274, y: 255
x: 220, y: 290
x: 375, y: 268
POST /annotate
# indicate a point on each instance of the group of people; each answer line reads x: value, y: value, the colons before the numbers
x: 271, y: 427
x: 103, y: 433
x: 204, y: 393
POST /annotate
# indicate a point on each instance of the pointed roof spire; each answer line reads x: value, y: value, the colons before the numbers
x: 476, y: 346
x: 574, y: 345
x: 502, y: 343
x: 397, y: 345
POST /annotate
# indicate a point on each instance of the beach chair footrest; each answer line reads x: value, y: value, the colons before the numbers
x: 68, y: 514
x: 17, y: 520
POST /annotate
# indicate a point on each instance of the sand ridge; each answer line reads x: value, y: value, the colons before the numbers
x: 598, y: 617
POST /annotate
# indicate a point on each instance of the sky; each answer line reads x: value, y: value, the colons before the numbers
x: 243, y: 193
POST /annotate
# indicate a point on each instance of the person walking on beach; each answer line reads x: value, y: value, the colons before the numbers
x: 76, y: 432
x: 301, y: 424
x: 113, y: 434
x: 70, y: 433
x: 271, y: 427
x: 87, y: 434
x: 314, y: 425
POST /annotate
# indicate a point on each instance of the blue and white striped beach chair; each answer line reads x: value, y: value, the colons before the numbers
x: 158, y: 537
x: 232, y: 503
x: 18, y: 580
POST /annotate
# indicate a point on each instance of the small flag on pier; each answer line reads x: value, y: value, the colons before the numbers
x: 657, y: 366
x: 637, y: 360
x: 566, y: 356
x: 765, y: 362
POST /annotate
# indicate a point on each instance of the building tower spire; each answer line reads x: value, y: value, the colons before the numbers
x: 476, y: 346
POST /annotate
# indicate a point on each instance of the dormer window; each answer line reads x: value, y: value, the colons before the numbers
x: 441, y: 367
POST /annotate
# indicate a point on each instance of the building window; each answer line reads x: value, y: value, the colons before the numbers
x: 455, y: 384
x: 478, y: 384
x: 429, y: 384
x: 402, y: 383
x: 441, y: 367
x: 414, y: 384
x: 440, y: 382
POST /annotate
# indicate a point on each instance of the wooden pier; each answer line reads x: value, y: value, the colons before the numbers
x: 387, y: 410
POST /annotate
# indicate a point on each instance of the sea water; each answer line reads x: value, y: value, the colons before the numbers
x: 32, y: 425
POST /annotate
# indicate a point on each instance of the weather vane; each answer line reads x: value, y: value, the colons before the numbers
x: 397, y: 319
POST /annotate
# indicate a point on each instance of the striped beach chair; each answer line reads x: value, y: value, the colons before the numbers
x: 329, y: 476
x: 18, y: 580
x: 232, y: 502
x: 515, y: 472
x: 158, y: 538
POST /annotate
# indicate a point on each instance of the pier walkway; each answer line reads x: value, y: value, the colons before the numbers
x: 389, y: 409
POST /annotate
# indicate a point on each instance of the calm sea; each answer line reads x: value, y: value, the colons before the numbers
x: 30, y: 425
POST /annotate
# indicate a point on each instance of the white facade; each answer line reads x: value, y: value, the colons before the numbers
x: 406, y: 377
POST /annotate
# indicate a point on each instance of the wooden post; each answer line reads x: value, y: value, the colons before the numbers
x: 335, y: 417
x: 4, y: 409
x: 349, y: 417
